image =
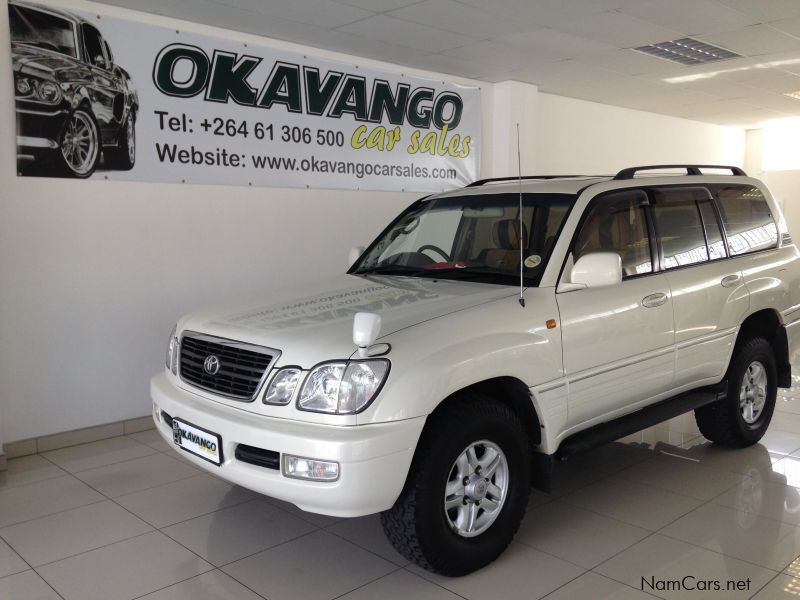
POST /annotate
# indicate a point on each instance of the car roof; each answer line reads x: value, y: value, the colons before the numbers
x: 47, y: 9
x: 566, y: 185
x: 575, y: 184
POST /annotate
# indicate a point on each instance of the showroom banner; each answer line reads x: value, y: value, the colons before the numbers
x: 111, y: 98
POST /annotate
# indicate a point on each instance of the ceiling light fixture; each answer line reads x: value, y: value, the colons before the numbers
x: 795, y: 95
x: 687, y: 51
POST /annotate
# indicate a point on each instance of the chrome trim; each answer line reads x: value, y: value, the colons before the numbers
x: 35, y: 142
x: 622, y: 364
x: 548, y: 387
x: 706, y: 338
x: 276, y: 354
x: 41, y: 113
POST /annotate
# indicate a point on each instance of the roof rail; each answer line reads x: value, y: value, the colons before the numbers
x: 481, y: 182
x: 630, y: 172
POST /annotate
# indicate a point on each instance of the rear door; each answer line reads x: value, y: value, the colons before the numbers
x: 708, y: 292
x: 618, y: 341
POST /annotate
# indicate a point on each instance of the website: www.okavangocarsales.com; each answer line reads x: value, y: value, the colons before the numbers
x: 690, y: 583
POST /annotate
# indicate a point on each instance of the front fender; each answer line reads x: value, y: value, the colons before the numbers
x: 433, y: 360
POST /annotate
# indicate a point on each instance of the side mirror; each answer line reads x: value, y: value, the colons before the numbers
x: 366, y: 329
x: 355, y: 252
x: 597, y: 269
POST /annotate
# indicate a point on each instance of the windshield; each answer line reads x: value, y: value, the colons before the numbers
x: 42, y: 29
x: 474, y: 238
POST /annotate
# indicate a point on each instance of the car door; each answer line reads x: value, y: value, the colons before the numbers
x: 104, y: 86
x: 708, y: 292
x: 618, y: 340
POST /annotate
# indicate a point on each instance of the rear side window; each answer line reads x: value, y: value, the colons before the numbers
x: 680, y: 227
x: 617, y: 223
x: 748, y: 221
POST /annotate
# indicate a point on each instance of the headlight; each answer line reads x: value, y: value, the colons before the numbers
x: 49, y: 92
x: 172, y: 359
x: 23, y: 86
x: 343, y: 387
x: 281, y: 388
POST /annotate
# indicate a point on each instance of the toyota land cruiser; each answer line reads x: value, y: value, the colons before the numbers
x: 485, y: 333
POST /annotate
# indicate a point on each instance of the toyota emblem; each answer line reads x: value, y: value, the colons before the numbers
x: 211, y: 364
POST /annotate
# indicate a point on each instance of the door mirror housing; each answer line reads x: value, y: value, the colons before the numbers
x: 597, y: 269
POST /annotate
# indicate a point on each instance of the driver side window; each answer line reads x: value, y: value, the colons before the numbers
x: 617, y: 223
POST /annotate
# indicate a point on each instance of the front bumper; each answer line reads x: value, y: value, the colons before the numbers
x: 38, y: 128
x: 374, y: 459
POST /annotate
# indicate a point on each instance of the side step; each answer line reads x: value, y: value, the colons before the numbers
x: 641, y: 419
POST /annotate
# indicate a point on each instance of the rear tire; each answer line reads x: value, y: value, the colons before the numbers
x: 742, y: 418
x: 467, y: 489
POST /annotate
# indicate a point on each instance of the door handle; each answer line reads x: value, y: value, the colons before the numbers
x: 731, y: 280
x: 654, y: 300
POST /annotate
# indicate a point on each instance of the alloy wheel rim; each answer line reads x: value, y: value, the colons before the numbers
x: 753, y: 392
x: 79, y: 147
x: 476, y: 488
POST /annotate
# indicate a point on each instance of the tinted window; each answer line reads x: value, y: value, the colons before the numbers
x: 679, y: 227
x: 747, y: 219
x: 617, y: 223
x: 41, y: 29
x: 94, y: 46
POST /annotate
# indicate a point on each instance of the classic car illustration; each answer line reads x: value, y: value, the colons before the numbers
x: 74, y: 104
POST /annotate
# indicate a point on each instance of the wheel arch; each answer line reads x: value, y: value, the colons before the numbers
x: 767, y: 323
x: 512, y: 392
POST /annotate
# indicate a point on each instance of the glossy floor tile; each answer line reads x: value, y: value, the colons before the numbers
x: 126, y: 518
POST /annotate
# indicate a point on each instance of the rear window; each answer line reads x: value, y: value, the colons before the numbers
x: 679, y: 226
x: 748, y: 221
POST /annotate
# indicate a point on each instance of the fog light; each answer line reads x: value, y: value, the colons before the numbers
x: 309, y: 468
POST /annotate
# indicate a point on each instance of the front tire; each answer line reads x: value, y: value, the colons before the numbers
x: 742, y: 418
x: 467, y: 489
x: 123, y: 157
x: 79, y: 147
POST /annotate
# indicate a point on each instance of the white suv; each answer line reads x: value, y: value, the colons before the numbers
x: 486, y: 332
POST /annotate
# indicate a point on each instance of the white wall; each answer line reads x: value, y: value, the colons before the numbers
x: 576, y: 136
x: 94, y: 274
x: 784, y: 185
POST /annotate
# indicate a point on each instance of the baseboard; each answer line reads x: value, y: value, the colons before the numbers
x: 3, y: 462
x: 74, y: 437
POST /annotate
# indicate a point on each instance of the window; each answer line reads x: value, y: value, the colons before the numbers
x: 93, y: 42
x: 475, y: 237
x: 41, y: 29
x: 747, y: 218
x: 679, y: 225
x: 617, y: 223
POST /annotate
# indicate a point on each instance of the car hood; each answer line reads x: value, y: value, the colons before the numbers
x: 314, y: 322
x: 38, y: 61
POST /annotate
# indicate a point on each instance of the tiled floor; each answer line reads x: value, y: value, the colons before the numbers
x: 127, y: 518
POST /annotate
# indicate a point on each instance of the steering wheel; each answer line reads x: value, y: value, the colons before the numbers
x: 435, y: 249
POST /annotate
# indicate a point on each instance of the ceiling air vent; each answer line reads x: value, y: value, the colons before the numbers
x: 687, y: 51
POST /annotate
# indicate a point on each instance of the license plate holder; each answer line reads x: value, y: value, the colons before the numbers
x: 197, y: 440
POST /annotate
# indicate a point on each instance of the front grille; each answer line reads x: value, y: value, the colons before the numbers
x: 241, y: 366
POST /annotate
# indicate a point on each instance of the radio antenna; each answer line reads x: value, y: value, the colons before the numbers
x: 519, y: 237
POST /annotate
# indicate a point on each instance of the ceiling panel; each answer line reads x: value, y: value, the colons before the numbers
x: 755, y: 40
x: 383, y: 28
x: 615, y: 28
x: 690, y: 16
x: 576, y: 48
x: 449, y: 15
